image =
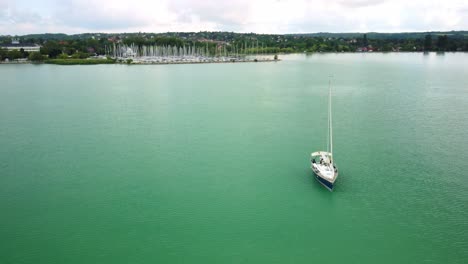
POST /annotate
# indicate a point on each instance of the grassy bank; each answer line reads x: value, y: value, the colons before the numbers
x: 79, y: 61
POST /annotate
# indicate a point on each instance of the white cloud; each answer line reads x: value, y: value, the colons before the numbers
x: 261, y: 16
x: 360, y: 3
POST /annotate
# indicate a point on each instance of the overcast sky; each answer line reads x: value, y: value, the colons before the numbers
x: 260, y: 16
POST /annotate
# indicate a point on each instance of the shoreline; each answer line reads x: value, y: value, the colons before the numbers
x: 198, y: 62
x: 124, y: 62
x: 95, y: 62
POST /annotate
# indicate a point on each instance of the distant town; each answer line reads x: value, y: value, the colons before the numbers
x: 90, y: 48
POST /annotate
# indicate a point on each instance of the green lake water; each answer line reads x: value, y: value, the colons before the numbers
x: 210, y: 163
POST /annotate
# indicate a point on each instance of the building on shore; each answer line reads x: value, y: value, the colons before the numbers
x: 16, y: 45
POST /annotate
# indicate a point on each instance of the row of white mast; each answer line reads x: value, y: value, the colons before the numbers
x: 132, y: 50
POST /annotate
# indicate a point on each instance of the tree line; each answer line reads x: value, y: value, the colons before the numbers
x: 85, y: 45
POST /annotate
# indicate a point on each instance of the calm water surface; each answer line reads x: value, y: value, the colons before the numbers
x: 210, y: 163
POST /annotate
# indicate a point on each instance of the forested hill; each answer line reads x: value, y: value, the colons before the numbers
x: 229, y: 35
x: 377, y: 35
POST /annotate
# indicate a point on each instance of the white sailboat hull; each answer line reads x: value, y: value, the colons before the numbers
x: 325, y: 174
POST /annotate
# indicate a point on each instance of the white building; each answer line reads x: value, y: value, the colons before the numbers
x: 16, y: 45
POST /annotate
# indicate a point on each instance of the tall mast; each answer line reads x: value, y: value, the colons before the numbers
x: 330, y: 116
x: 328, y: 119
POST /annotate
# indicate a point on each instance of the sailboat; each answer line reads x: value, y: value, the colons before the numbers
x: 322, y: 164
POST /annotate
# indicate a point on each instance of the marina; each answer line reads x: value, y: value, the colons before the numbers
x: 154, y: 54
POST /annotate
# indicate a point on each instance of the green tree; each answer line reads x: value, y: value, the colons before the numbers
x: 63, y: 56
x: 51, y: 48
x: 36, y: 56
x: 80, y: 55
x: 442, y: 43
x: 14, y: 54
x: 428, y: 42
x: 386, y: 47
x: 3, y: 53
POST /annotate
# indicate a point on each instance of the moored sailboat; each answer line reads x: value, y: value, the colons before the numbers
x: 322, y: 162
